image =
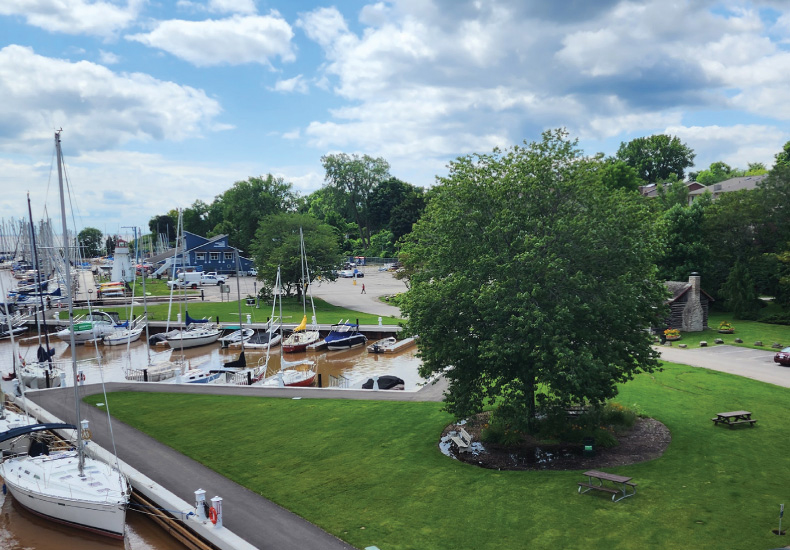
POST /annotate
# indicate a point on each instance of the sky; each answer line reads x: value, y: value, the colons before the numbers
x: 164, y: 102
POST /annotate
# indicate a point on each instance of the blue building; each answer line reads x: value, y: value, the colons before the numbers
x: 202, y: 254
x: 214, y: 254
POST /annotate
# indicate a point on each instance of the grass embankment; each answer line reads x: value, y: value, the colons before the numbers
x: 229, y: 312
x: 371, y: 472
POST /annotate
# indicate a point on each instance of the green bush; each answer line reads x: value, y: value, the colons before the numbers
x: 617, y: 416
x: 605, y: 438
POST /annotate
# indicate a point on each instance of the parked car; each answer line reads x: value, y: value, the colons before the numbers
x: 783, y: 357
x: 212, y: 279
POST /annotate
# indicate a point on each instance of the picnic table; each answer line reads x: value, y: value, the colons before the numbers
x: 734, y: 418
x: 621, y: 484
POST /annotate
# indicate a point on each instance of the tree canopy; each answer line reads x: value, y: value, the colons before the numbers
x: 277, y: 243
x: 353, y: 178
x: 90, y: 240
x: 657, y: 156
x: 246, y: 203
x: 527, y: 272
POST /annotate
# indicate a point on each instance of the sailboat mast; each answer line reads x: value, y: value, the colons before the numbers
x: 72, y: 343
x: 238, y: 296
x: 37, y: 284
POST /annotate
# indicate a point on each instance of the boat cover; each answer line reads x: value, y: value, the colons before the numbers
x: 33, y: 428
x: 386, y: 382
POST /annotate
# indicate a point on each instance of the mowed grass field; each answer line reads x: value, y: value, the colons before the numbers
x: 372, y: 474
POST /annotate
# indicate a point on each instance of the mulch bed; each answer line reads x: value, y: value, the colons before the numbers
x: 646, y: 440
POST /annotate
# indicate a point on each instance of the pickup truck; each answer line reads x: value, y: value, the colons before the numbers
x: 212, y: 279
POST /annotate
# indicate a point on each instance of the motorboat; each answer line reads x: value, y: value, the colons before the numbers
x: 94, y: 325
x: 236, y: 337
x: 345, y: 335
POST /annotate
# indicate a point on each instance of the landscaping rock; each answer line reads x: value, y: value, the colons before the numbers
x: 776, y: 345
x: 718, y: 341
x: 684, y: 346
x: 703, y: 344
x: 758, y: 343
x: 738, y: 341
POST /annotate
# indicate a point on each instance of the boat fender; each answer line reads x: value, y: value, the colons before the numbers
x: 212, y: 515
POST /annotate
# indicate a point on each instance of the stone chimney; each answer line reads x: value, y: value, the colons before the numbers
x: 692, y: 313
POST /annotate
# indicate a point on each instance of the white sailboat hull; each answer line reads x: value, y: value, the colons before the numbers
x: 188, y: 340
x: 98, y: 508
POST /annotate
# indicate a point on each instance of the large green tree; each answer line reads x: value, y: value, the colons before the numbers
x: 685, y: 248
x: 353, y: 178
x: 527, y: 273
x: 246, y: 203
x: 656, y: 157
x: 277, y: 244
x: 164, y: 224
x: 90, y: 240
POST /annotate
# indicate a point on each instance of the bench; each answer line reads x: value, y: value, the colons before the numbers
x: 462, y: 440
x: 598, y: 488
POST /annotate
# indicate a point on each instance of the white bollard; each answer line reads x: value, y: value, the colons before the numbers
x: 216, y: 503
x: 249, y: 318
x: 62, y: 379
x: 200, y: 504
x: 375, y: 383
x: 380, y: 321
x: 178, y: 318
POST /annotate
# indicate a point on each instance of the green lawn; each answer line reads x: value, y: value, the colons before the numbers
x: 748, y: 331
x: 371, y: 472
x: 229, y: 312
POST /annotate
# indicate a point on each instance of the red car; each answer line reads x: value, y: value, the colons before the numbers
x: 783, y: 357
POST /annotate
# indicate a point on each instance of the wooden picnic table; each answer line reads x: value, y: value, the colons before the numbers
x: 621, y: 484
x: 734, y: 418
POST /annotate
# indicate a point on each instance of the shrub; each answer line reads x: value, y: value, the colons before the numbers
x: 617, y: 416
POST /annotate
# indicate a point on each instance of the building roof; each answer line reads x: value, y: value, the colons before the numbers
x: 733, y: 184
x: 679, y: 288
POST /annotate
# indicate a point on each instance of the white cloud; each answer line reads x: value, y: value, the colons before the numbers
x: 74, y: 16
x: 295, y: 84
x: 97, y: 107
x: 233, y: 41
x: 737, y: 145
x: 108, y: 58
x: 232, y: 6
x: 219, y: 6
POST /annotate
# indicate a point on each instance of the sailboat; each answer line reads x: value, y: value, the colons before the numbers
x: 40, y: 374
x: 67, y: 486
x: 300, y: 338
x: 289, y: 374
